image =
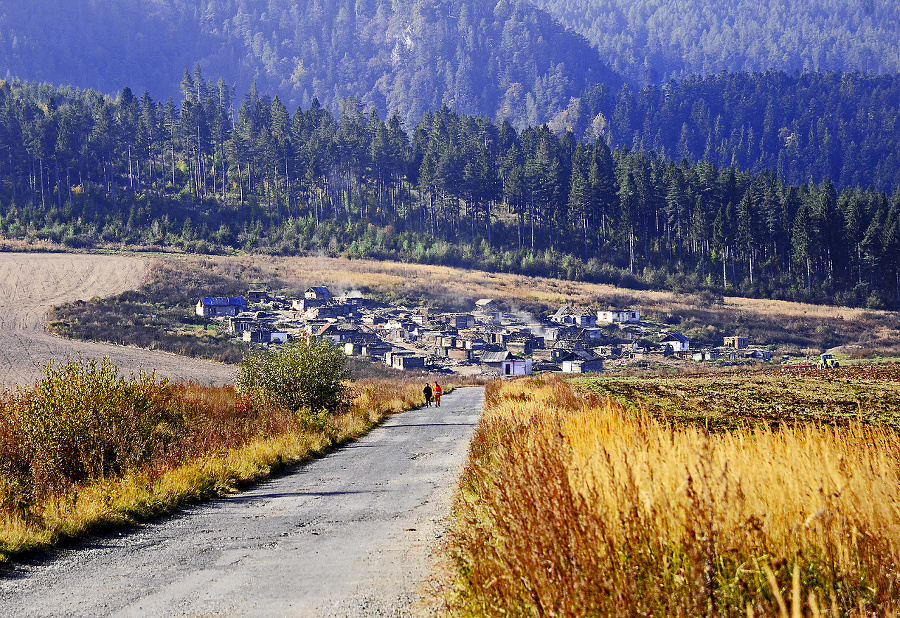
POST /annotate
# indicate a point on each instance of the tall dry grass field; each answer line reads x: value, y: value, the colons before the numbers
x: 572, y: 506
x: 85, y: 448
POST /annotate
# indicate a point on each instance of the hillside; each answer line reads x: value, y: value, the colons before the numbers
x: 653, y: 41
x: 85, y: 170
x: 840, y: 127
x: 509, y: 59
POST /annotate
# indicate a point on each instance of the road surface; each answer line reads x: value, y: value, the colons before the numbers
x: 31, y: 283
x: 349, y: 534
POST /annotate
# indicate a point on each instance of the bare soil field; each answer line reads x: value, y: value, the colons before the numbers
x: 30, y: 283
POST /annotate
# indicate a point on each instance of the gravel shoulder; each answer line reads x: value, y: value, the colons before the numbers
x: 31, y: 283
x: 350, y: 534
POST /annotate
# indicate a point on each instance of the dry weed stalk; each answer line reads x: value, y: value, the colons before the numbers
x: 573, y: 506
x: 82, y: 459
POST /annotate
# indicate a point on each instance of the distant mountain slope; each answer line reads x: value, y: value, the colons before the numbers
x: 658, y: 40
x: 505, y: 59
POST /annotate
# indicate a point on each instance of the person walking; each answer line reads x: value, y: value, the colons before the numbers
x: 427, y: 392
x: 437, y: 391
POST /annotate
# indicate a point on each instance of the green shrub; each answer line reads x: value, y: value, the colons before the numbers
x: 82, y: 420
x: 304, y: 374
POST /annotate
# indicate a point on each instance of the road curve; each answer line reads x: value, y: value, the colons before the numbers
x: 31, y: 283
x: 346, y: 535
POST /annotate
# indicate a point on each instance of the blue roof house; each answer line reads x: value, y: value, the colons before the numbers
x: 219, y: 306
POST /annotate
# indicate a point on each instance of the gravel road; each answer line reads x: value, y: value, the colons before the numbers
x: 349, y: 534
x: 31, y: 283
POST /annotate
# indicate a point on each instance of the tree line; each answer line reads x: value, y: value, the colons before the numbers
x: 82, y: 169
x: 807, y: 126
x: 505, y: 57
x: 654, y: 42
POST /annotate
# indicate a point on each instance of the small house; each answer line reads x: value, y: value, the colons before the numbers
x: 404, y: 360
x: 763, y: 355
x: 738, y: 343
x: 305, y: 304
x: 257, y: 335
x: 487, y: 311
x: 705, y: 355
x: 257, y: 296
x: 319, y: 293
x: 241, y: 323
x: 338, y: 333
x: 220, y: 306
x: 486, y: 305
x: 462, y: 320
x: 327, y: 312
x: 627, y: 316
x: 373, y: 350
x: 583, y: 361
x: 574, y: 317
x: 677, y: 342
x: 516, y: 367
x: 495, y: 359
x: 459, y: 354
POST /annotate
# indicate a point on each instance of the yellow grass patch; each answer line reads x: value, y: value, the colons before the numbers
x: 573, y: 506
x: 194, y: 473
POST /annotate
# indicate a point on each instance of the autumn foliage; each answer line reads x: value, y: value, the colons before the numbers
x: 572, y: 505
x: 85, y: 447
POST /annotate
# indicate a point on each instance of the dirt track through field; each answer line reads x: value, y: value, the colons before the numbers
x: 31, y: 283
x: 346, y: 535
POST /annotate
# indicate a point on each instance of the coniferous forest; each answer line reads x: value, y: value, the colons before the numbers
x: 85, y: 169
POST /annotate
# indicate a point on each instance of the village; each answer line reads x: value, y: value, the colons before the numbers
x: 486, y: 341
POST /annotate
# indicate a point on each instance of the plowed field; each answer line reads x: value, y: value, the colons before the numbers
x: 30, y: 283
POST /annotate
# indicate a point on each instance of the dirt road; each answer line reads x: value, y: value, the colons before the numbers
x: 30, y: 283
x: 346, y: 535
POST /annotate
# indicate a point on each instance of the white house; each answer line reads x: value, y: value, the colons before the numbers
x: 626, y: 316
x: 278, y: 336
x: 575, y: 317
x: 516, y: 367
x: 676, y: 341
x: 318, y: 292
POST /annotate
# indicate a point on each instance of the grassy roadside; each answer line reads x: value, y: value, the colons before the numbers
x: 201, y: 442
x: 573, y: 505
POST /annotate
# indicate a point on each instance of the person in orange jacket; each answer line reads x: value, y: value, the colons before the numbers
x: 437, y: 391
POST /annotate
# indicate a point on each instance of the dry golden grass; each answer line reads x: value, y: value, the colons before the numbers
x: 573, y: 506
x: 349, y: 274
x: 791, y: 326
x: 222, y: 444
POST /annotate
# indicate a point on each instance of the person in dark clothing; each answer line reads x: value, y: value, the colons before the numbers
x: 427, y: 392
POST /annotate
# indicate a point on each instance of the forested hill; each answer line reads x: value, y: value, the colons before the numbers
x: 841, y: 127
x: 503, y: 59
x: 85, y: 170
x: 655, y: 41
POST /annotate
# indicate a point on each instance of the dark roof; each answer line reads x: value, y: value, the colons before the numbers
x: 586, y: 355
x: 223, y: 301
x: 675, y: 337
x: 496, y: 357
